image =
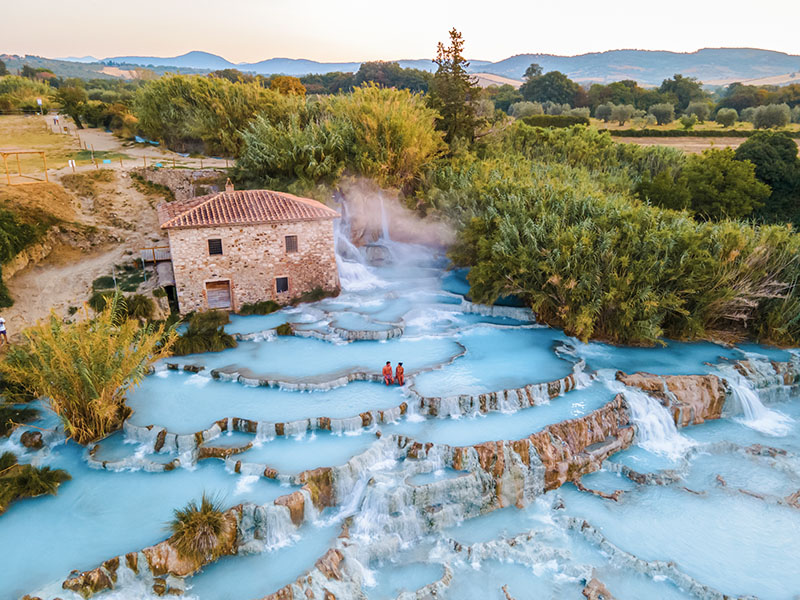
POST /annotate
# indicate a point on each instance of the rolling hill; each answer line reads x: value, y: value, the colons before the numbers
x: 713, y: 66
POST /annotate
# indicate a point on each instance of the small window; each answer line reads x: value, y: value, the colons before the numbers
x: 215, y: 246
x: 281, y: 284
x: 291, y: 243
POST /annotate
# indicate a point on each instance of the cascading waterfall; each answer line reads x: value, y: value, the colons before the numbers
x: 354, y: 274
x: 655, y: 428
x: 745, y: 400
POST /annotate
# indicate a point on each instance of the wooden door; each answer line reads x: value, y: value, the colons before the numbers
x: 218, y: 294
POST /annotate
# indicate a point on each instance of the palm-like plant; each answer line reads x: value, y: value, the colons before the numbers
x: 84, y: 369
x: 198, y: 532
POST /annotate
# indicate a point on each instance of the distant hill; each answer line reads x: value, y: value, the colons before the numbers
x: 487, y: 79
x: 713, y: 66
x: 191, y: 60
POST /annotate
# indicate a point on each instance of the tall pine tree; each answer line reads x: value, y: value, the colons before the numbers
x: 453, y: 91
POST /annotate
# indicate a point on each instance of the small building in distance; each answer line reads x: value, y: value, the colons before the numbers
x: 244, y: 246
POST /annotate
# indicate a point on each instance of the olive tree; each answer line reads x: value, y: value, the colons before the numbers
x: 727, y: 116
x: 603, y: 112
x: 525, y: 109
x: 772, y: 115
x: 700, y: 110
x: 622, y: 113
x: 663, y: 112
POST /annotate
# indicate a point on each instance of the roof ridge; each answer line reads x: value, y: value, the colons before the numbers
x: 197, y: 206
x: 244, y: 207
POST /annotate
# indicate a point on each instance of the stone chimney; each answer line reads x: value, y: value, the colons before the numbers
x: 228, y: 185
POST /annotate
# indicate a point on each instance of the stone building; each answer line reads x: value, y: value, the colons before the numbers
x: 242, y: 246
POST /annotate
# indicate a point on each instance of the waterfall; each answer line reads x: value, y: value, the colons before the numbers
x: 384, y: 223
x: 655, y: 429
x: 755, y: 415
x: 354, y: 274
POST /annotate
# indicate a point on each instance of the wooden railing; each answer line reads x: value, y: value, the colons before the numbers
x: 155, y: 254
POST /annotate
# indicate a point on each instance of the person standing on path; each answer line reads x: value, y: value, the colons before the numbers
x: 3, y: 334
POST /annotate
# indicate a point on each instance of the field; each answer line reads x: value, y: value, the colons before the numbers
x: 707, y: 126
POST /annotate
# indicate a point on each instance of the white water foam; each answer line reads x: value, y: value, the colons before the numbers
x: 754, y: 414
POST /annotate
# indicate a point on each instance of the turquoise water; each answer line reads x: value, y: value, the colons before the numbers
x: 722, y: 537
x: 258, y: 575
x: 498, y: 426
x: 185, y: 403
x: 298, y: 359
x: 498, y: 359
x: 101, y: 514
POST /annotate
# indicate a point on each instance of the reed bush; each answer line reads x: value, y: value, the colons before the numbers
x: 85, y: 368
x: 26, y: 481
x: 205, y: 332
x: 602, y: 265
x: 198, y: 531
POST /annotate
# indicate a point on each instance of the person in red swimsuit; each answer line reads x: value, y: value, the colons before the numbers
x: 387, y: 373
x: 399, y: 374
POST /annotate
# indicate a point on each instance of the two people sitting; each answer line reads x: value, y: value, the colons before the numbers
x: 399, y: 376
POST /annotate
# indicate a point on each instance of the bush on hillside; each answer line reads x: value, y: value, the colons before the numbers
x: 727, y: 116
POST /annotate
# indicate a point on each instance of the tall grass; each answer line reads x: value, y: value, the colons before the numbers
x: 84, y: 369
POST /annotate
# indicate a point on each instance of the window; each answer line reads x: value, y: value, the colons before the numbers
x: 281, y: 284
x: 291, y: 243
x: 215, y: 246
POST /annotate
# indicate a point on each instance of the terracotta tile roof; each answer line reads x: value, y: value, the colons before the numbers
x: 241, y: 207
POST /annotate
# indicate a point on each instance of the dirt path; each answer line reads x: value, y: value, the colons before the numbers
x: 693, y: 145
x: 125, y: 220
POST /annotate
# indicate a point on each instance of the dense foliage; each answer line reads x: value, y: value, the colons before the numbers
x: 774, y: 155
x: 549, y: 217
x: 195, y: 113
x: 385, y: 134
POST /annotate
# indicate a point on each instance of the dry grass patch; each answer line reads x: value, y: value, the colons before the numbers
x: 30, y: 132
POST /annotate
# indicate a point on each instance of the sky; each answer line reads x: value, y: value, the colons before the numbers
x: 357, y: 30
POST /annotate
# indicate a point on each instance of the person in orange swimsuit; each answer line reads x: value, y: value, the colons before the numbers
x: 387, y: 373
x: 399, y: 374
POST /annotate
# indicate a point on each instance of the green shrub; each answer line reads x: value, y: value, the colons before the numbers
x: 284, y: 329
x: 264, y: 307
x: 205, y: 332
x: 105, y: 282
x: 314, y: 295
x: 554, y: 120
x: 588, y: 258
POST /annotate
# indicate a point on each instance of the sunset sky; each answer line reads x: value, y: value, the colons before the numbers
x: 354, y: 30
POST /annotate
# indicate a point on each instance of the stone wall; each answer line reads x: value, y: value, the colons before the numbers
x: 252, y: 257
x: 184, y: 183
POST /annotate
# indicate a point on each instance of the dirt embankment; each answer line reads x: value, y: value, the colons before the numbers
x: 103, y: 219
